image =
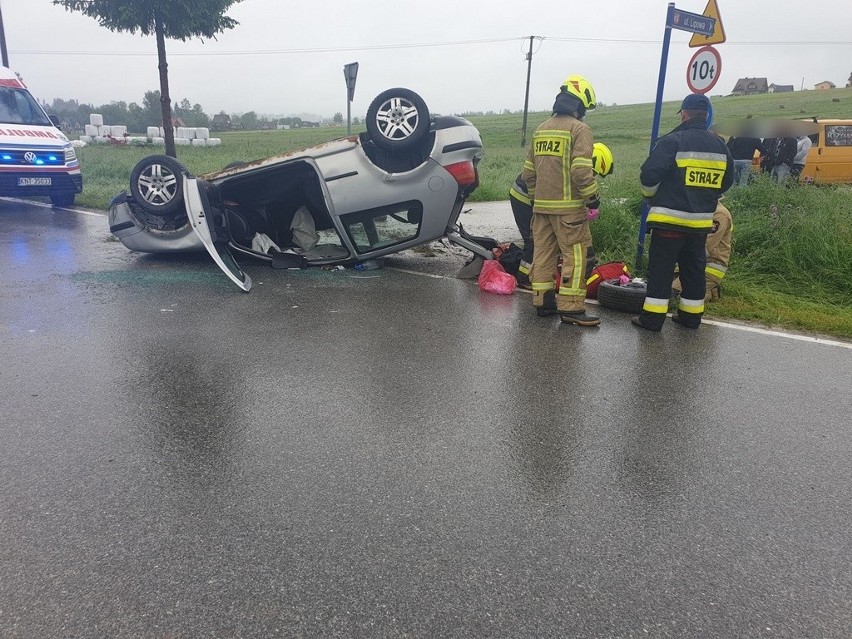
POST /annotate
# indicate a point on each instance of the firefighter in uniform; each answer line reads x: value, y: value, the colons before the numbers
x: 718, y: 248
x: 563, y: 190
x: 602, y: 165
x: 684, y: 176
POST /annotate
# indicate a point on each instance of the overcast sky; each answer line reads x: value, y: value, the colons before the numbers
x: 287, y: 57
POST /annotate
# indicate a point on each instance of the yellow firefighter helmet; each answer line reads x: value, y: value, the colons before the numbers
x: 578, y: 86
x: 602, y: 160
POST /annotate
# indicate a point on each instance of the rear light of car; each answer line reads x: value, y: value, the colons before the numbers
x: 463, y: 172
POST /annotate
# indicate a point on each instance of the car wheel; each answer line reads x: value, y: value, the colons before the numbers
x: 629, y: 297
x: 156, y: 184
x: 62, y: 198
x: 397, y: 119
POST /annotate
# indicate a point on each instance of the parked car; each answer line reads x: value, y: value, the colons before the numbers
x: 400, y: 184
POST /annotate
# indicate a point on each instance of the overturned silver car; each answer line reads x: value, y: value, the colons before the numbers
x: 400, y: 184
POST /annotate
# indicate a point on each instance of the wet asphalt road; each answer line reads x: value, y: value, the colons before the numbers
x: 383, y: 454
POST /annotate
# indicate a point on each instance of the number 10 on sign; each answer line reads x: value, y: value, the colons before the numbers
x: 703, y: 70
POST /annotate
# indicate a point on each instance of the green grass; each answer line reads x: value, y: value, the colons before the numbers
x: 792, y: 246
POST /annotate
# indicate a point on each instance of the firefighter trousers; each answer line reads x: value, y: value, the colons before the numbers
x: 522, y: 213
x: 552, y: 235
x: 687, y: 251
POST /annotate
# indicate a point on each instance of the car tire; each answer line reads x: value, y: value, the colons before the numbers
x: 156, y: 184
x: 62, y: 198
x: 629, y: 297
x: 398, y: 119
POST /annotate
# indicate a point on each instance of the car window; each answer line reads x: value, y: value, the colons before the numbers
x: 17, y: 106
x: 838, y: 135
x: 382, y: 227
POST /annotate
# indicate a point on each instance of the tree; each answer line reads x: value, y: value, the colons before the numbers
x: 152, y: 110
x: 338, y: 118
x: 249, y: 121
x: 174, y: 19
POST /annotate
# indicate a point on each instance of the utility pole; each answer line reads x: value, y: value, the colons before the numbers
x: 527, y: 94
x: 3, y: 42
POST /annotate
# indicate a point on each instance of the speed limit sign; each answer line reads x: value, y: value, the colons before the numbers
x: 703, y: 70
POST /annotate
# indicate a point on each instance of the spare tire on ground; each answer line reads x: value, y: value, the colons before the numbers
x: 628, y: 297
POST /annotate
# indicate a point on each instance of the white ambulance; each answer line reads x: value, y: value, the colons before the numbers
x: 35, y: 156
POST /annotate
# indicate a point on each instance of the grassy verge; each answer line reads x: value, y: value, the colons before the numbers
x: 792, y: 246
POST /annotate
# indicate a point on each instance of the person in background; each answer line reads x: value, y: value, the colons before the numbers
x: 742, y: 150
x: 602, y: 164
x: 682, y: 179
x: 803, y: 147
x: 784, y: 157
x: 718, y: 249
x: 767, y: 160
x: 563, y: 192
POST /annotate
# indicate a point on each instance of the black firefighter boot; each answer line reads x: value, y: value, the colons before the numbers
x: 580, y: 318
x: 549, y: 306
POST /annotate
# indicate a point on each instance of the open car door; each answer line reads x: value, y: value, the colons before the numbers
x: 203, y: 219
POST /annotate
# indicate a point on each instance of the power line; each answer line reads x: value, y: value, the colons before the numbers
x: 274, y: 51
x: 408, y: 46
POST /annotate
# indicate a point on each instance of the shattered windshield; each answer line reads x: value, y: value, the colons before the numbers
x: 17, y: 106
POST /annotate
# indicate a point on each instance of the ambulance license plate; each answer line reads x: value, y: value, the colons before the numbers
x: 34, y: 181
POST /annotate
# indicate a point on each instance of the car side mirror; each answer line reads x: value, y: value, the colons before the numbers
x: 55, y: 120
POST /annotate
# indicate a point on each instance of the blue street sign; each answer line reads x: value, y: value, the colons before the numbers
x: 693, y: 22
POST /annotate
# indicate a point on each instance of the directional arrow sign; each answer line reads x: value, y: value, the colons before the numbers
x: 686, y: 21
x: 718, y: 37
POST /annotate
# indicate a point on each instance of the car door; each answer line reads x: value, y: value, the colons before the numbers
x: 834, y: 153
x: 213, y: 235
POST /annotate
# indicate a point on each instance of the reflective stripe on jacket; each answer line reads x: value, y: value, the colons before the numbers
x: 519, y: 191
x: 558, y: 167
x: 684, y: 176
x: 719, y: 243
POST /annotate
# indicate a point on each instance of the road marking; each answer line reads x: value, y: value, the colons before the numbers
x: 736, y: 327
x: 51, y: 206
x: 775, y: 333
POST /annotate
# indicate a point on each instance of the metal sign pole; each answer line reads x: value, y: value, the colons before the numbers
x: 350, y: 73
x: 655, y: 127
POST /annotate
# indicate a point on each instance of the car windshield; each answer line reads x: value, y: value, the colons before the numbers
x: 17, y: 106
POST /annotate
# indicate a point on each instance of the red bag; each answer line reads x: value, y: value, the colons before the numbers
x: 608, y: 271
x: 494, y: 279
